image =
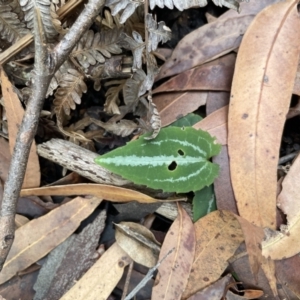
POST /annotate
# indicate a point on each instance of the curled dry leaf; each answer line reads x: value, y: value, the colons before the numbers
x: 175, y: 269
x: 212, y: 40
x: 108, y: 192
x: 37, y: 238
x: 138, y: 242
x: 218, y: 235
x: 286, y: 243
x: 99, y: 281
x: 265, y: 69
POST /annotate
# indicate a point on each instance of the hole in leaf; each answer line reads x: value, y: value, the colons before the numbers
x: 180, y: 152
x: 172, y: 166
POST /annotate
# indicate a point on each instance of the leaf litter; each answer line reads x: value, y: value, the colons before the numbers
x: 193, y: 256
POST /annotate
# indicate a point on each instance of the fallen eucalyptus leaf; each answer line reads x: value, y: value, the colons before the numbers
x: 174, y: 271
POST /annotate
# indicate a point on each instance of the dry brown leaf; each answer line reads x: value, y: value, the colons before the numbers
x: 253, y: 237
x: 20, y: 221
x: 138, y: 242
x: 212, y: 40
x: 216, y: 124
x: 173, y: 106
x: 175, y: 269
x: 38, y: 237
x: 218, y: 235
x: 108, y: 192
x: 215, y: 291
x: 262, y: 86
x: 216, y: 100
x: 286, y: 243
x: 14, y: 113
x: 222, y: 184
x: 216, y: 76
x: 99, y: 281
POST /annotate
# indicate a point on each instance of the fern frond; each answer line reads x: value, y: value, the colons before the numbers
x: 129, y: 7
x: 69, y: 93
x: 95, y: 47
x: 11, y: 29
x: 181, y: 5
x: 28, y: 7
x: 136, y: 45
x: 158, y: 32
x: 112, y: 97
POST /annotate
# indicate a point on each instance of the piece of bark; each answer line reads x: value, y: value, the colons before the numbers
x: 68, y: 262
x: 169, y: 210
x: 79, y: 160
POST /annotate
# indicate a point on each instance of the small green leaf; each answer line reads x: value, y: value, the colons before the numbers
x: 175, y: 161
x: 189, y: 120
x: 204, y: 202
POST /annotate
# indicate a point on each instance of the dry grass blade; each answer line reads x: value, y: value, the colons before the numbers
x: 261, y: 92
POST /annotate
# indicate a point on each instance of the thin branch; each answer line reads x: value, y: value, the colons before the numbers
x: 46, y: 63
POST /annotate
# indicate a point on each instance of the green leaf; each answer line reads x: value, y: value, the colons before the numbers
x: 175, y: 161
x: 189, y: 120
x: 204, y: 202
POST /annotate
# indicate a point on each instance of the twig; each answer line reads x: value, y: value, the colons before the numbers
x: 128, y: 276
x: 288, y: 157
x: 46, y: 63
x: 147, y: 277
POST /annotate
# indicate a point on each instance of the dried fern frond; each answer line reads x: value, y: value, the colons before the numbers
x: 136, y: 87
x: 181, y: 5
x: 69, y: 93
x: 16, y: 8
x: 55, y: 20
x: 112, y: 97
x: 122, y: 128
x: 155, y: 121
x: 95, y: 47
x: 158, y: 32
x: 11, y: 29
x: 129, y: 7
x: 28, y: 7
x: 136, y: 45
x: 136, y: 22
x: 110, y: 21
